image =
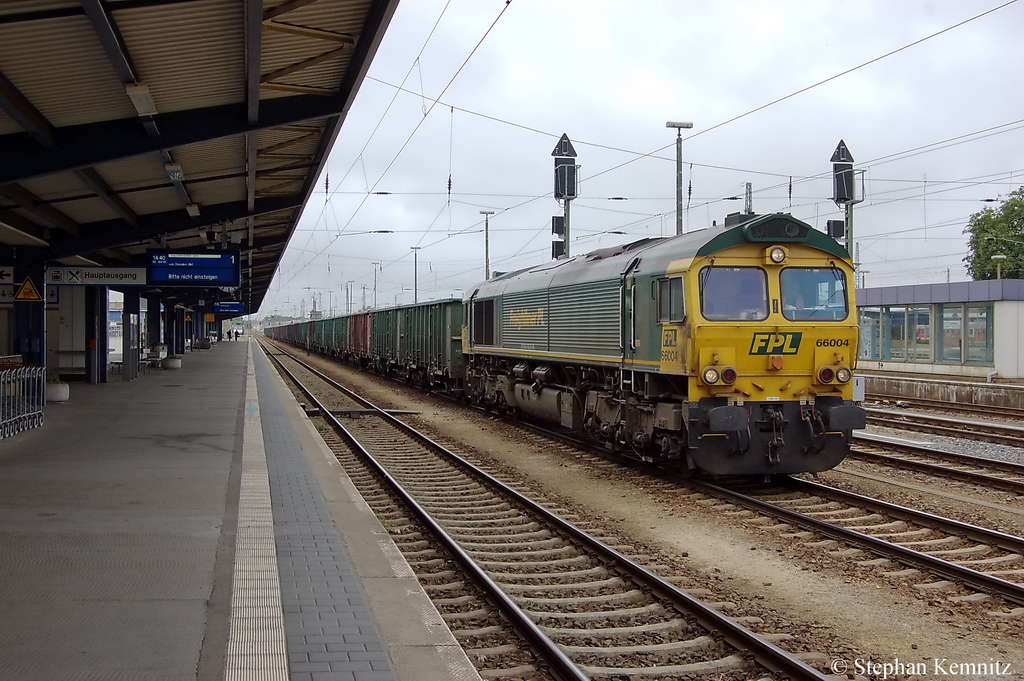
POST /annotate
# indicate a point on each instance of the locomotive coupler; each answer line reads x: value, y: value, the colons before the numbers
x: 777, y: 443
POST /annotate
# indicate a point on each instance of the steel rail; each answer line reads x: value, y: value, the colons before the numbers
x: 1001, y: 433
x: 973, y: 578
x: 561, y: 665
x: 1006, y: 484
x: 925, y: 403
x: 763, y: 651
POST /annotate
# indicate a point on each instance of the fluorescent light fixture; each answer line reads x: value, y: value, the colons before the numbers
x: 141, y: 99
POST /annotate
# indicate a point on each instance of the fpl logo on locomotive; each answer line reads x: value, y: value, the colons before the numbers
x: 775, y: 343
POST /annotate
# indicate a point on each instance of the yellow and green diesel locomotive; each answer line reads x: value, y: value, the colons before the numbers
x: 729, y: 350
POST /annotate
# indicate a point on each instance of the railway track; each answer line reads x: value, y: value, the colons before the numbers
x: 988, y: 473
x: 983, y: 560
x: 928, y: 546
x: 584, y: 609
x: 982, y: 410
x: 986, y: 431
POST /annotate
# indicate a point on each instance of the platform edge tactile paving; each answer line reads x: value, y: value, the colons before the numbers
x: 321, y: 598
x: 256, y: 613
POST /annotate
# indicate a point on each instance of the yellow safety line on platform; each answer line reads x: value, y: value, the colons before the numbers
x: 256, y: 637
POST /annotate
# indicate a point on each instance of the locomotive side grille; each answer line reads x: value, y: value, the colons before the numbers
x: 524, y: 320
x: 585, y: 319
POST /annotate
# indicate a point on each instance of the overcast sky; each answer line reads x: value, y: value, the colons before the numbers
x: 925, y: 93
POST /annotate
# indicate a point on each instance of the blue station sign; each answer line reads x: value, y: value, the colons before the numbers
x: 236, y: 306
x: 202, y: 268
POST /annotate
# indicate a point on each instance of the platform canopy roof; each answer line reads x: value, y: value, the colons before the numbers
x: 129, y: 125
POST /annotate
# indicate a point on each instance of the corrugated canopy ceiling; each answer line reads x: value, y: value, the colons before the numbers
x: 127, y: 125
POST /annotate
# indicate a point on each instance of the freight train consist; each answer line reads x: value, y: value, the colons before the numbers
x: 729, y: 350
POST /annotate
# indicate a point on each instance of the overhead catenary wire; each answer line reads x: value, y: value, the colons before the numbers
x: 420, y: 123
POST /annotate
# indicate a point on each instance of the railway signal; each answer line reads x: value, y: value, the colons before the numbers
x: 565, y: 191
x: 844, y: 190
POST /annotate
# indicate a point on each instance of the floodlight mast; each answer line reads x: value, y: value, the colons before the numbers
x: 487, y: 243
x: 679, y: 126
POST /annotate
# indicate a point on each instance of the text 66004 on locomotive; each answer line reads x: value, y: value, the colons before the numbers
x: 728, y: 350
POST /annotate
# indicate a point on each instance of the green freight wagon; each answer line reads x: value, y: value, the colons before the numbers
x: 422, y: 343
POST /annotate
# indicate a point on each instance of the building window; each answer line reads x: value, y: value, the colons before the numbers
x: 894, y: 334
x: 670, y: 300
x: 870, y: 332
x: 978, y: 340
x: 919, y: 346
x: 952, y: 316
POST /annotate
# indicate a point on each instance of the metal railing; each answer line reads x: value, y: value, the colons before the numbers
x: 22, y: 395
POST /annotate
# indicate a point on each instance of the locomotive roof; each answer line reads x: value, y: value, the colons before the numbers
x: 610, y: 263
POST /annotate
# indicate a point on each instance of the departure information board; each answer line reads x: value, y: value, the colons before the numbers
x: 229, y: 306
x: 202, y: 268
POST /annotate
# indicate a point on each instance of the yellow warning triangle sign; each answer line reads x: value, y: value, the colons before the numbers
x: 28, y: 292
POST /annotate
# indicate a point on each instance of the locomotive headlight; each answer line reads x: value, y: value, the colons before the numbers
x: 843, y: 374
x: 775, y: 255
x: 711, y: 375
x: 728, y: 375
x: 826, y: 374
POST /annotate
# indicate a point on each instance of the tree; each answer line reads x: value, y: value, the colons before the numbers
x: 1004, y: 222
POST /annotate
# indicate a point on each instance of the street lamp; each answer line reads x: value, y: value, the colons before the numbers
x: 375, y: 266
x: 1000, y: 258
x: 999, y: 265
x: 679, y: 170
x: 487, y: 247
x: 415, y: 273
x: 1002, y: 238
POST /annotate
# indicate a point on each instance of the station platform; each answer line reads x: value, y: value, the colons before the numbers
x: 191, y: 524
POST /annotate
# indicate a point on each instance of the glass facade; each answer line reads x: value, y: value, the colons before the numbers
x: 919, y: 336
x: 952, y: 332
x: 978, y: 340
x: 928, y: 333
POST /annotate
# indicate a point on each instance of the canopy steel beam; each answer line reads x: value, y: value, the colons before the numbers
x: 94, y: 181
x: 91, y: 144
x: 17, y: 106
x: 113, y: 233
x: 110, y: 38
x: 46, y: 213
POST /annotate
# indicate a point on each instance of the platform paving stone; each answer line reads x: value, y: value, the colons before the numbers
x: 329, y: 633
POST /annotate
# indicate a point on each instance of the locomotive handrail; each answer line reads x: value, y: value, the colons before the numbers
x: 622, y: 294
x: 632, y: 317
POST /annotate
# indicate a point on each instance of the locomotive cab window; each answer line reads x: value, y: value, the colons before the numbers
x: 670, y: 300
x: 734, y: 293
x: 813, y: 294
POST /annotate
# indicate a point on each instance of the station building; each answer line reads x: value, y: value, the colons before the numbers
x: 954, y: 333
